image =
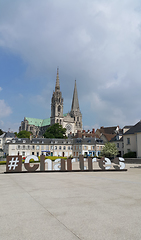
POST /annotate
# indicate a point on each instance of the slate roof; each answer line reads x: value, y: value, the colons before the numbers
x: 9, y: 135
x: 116, y: 139
x: 135, y: 129
x: 37, y: 141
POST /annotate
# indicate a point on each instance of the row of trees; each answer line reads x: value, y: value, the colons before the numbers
x: 54, y: 131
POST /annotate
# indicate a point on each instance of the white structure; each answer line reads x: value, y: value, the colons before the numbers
x: 54, y: 147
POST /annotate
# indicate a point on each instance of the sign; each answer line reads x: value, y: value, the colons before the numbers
x: 14, y: 164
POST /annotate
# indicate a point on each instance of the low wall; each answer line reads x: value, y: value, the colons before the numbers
x: 132, y: 160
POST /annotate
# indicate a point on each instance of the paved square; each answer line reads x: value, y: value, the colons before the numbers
x: 74, y: 205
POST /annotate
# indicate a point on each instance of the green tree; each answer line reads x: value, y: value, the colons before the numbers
x: 23, y: 134
x: 55, y: 131
x: 109, y: 150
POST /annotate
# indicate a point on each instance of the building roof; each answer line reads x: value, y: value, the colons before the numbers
x: 128, y: 126
x: 39, y: 122
x: 9, y: 135
x: 108, y: 130
x: 87, y: 141
x: 135, y: 129
x: 37, y: 141
x: 108, y: 136
x: 117, y: 138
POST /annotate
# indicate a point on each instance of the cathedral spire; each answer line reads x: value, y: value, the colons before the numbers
x: 57, y: 86
x: 75, y: 103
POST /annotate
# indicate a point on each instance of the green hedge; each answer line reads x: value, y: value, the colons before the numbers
x: 130, y: 155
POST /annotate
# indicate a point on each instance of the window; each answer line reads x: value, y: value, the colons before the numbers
x: 78, y: 119
x: 28, y: 147
x: 18, y: 146
x: 42, y: 147
x: 55, y: 147
x: 23, y: 153
x: 128, y: 140
x: 80, y: 146
x: 85, y: 147
x: 122, y: 145
x: 68, y: 147
x: 33, y: 147
x: 60, y: 147
x: 64, y: 148
x: 128, y: 150
x: 51, y: 147
x: 37, y: 147
x: 23, y: 146
x: 117, y: 145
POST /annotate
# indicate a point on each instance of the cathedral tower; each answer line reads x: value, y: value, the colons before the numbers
x: 75, y: 111
x: 57, y: 104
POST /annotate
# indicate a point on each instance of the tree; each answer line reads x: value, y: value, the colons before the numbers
x: 23, y: 134
x: 1, y: 132
x: 109, y: 150
x: 55, y: 131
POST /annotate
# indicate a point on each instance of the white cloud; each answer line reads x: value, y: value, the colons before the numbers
x: 0, y: 88
x: 96, y: 42
x: 5, y: 110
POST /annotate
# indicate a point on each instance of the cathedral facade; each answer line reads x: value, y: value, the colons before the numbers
x: 72, y: 121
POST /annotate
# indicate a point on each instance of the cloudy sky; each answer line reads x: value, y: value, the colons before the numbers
x: 96, y: 42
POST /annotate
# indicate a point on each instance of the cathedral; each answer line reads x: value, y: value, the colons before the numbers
x: 72, y: 121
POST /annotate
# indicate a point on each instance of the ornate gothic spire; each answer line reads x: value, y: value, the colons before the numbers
x: 57, y: 86
x: 75, y: 103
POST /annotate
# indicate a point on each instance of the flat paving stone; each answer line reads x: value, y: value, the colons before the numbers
x: 71, y: 205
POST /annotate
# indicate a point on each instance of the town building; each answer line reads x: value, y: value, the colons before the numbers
x: 54, y: 147
x: 5, y: 137
x: 72, y: 121
x: 87, y: 147
x: 132, y: 140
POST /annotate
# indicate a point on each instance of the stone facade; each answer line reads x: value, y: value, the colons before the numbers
x: 71, y: 121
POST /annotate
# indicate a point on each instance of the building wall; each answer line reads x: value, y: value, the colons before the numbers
x: 138, y: 145
x: 130, y: 143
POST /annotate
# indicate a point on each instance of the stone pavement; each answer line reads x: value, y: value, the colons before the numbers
x: 71, y: 206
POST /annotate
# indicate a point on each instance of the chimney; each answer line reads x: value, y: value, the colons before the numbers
x: 93, y: 130
x: 30, y: 137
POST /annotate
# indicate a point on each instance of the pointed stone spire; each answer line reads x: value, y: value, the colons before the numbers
x: 75, y: 103
x: 57, y: 86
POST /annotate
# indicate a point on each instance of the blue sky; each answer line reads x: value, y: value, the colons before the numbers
x: 98, y: 43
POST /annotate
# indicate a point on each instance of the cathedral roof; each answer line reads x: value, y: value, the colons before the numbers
x: 38, y: 122
x: 75, y: 103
